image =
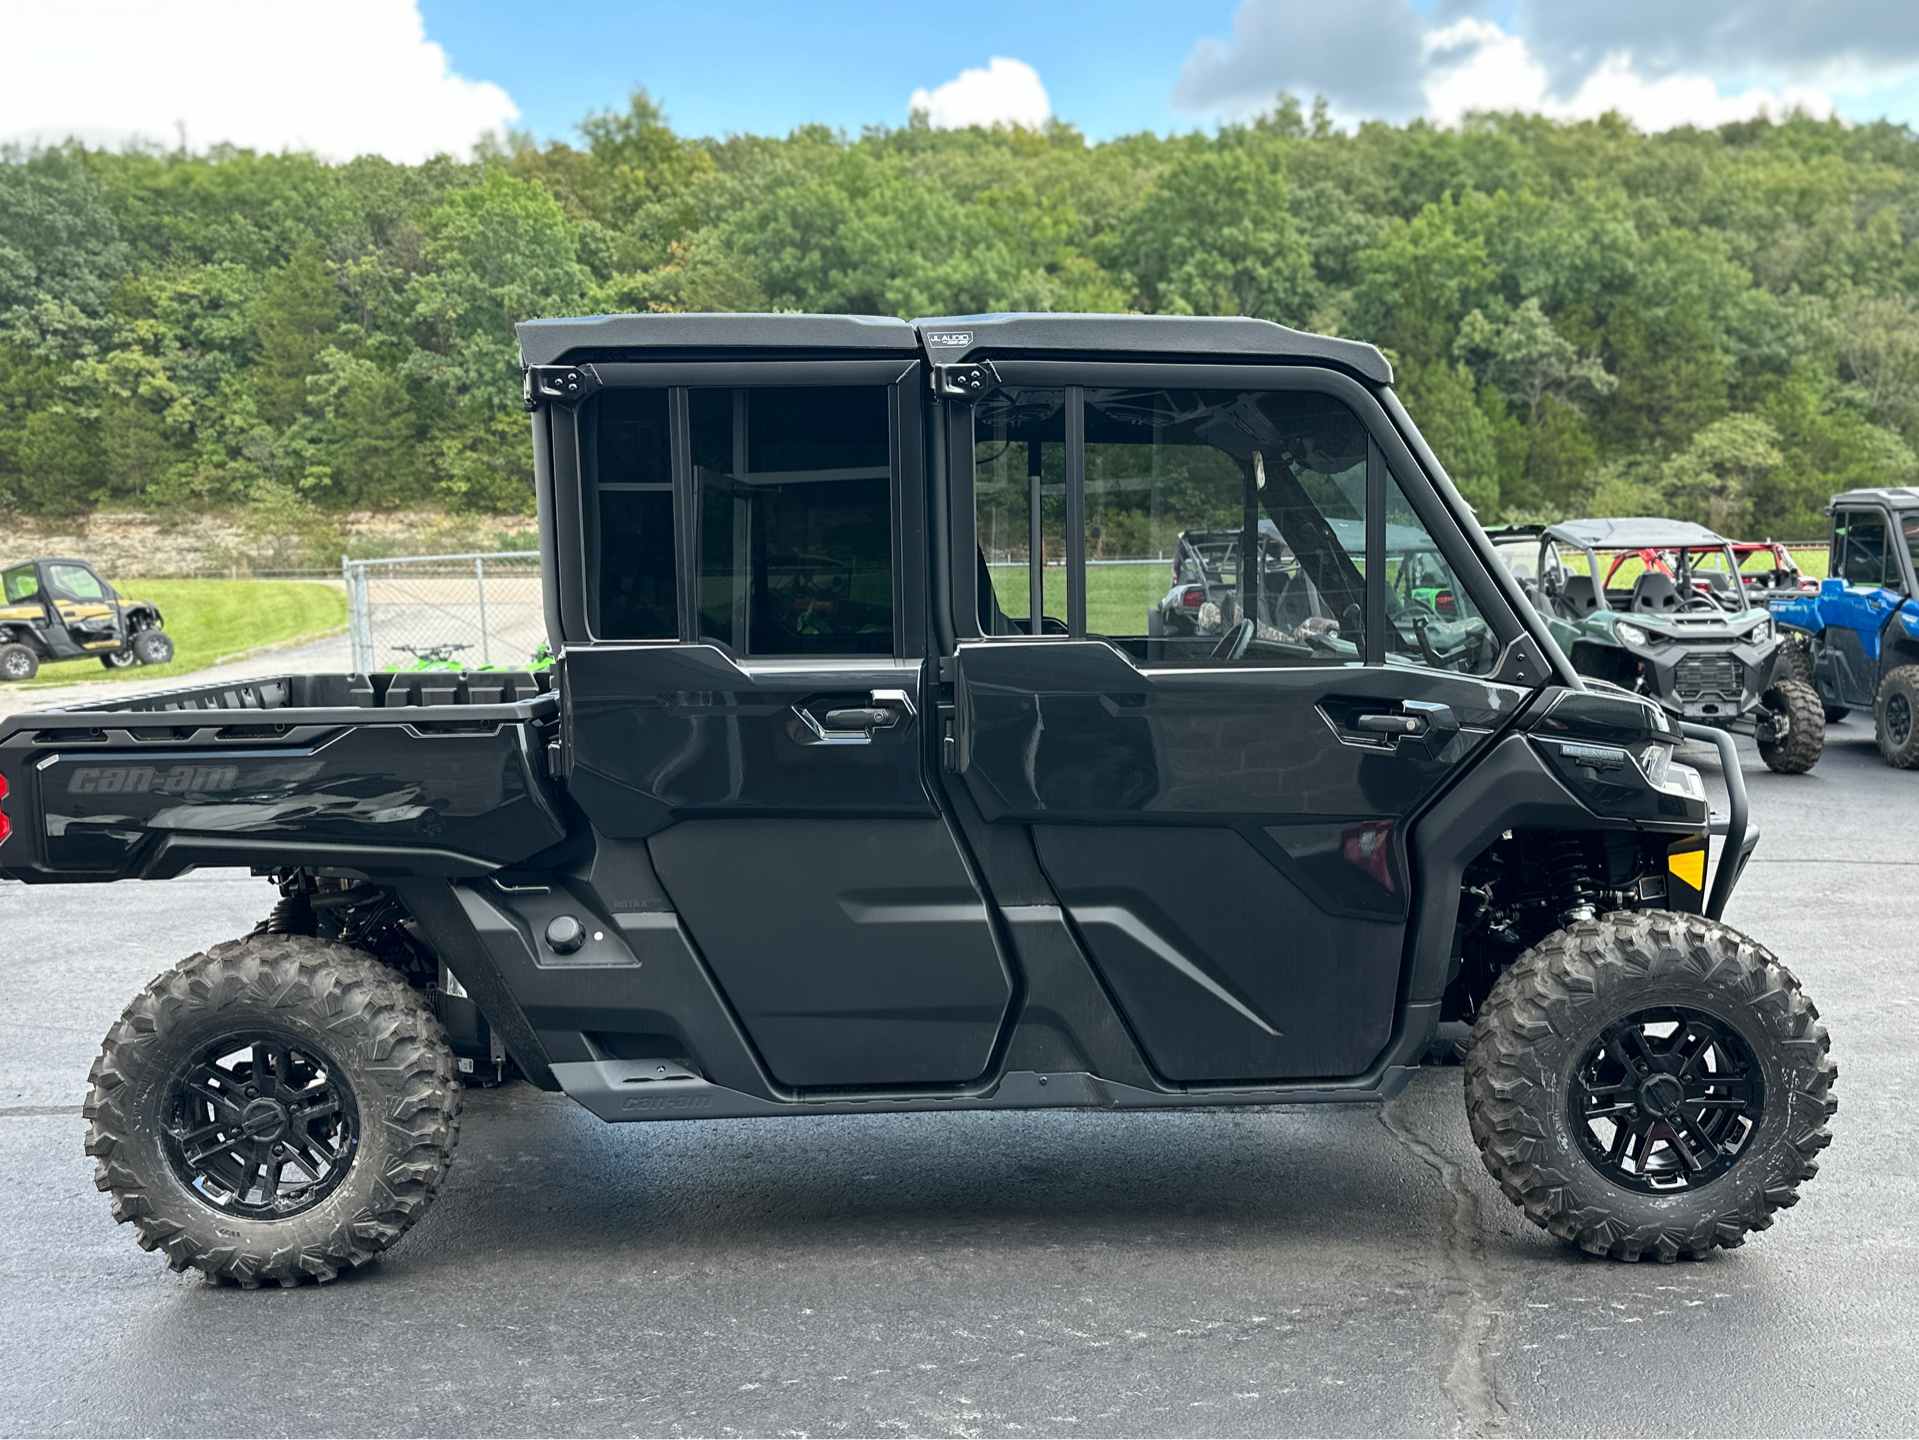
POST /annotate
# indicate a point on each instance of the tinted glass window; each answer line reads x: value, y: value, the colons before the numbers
x: 76, y: 581
x: 1433, y: 621
x: 795, y: 519
x: 632, y: 584
x: 1226, y: 525
x: 1909, y: 526
x: 1019, y: 506
x: 1859, y: 537
x: 20, y: 583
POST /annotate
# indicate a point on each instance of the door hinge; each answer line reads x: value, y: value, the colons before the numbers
x: 970, y: 381
x: 559, y: 384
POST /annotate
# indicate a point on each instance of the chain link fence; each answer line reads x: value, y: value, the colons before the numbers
x: 471, y: 609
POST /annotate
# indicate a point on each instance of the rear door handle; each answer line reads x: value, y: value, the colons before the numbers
x: 870, y: 717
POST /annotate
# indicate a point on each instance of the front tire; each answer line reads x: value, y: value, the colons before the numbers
x: 118, y: 659
x: 1895, y: 717
x: 1683, y: 1036
x: 1792, y: 727
x: 278, y: 1109
x: 153, y: 647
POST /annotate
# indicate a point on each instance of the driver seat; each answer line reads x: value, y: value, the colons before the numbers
x: 1578, y: 597
x: 1654, y: 593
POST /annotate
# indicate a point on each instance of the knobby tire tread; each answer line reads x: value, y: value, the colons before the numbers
x: 1533, y: 1029
x: 391, y: 1047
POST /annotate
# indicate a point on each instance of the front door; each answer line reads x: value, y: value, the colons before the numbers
x: 84, y: 615
x: 1856, y: 602
x: 746, y: 699
x: 1219, y: 795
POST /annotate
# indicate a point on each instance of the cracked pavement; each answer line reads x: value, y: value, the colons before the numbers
x: 1321, y: 1270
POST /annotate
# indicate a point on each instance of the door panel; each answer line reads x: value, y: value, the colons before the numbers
x: 663, y: 731
x: 856, y: 952
x: 1229, y: 842
x: 1226, y: 969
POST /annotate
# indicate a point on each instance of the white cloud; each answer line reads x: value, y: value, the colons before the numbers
x: 1006, y: 92
x: 1475, y: 65
x: 338, y: 77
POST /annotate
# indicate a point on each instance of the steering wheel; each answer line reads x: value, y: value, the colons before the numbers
x: 1232, y: 645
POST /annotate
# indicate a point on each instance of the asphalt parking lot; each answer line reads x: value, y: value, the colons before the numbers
x: 1332, y: 1270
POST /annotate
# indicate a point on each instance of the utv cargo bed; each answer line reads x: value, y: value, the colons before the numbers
x: 430, y: 773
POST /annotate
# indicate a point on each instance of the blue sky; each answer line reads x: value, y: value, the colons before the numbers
x: 408, y: 78
x: 751, y: 66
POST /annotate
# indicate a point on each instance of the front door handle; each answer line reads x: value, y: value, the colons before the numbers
x: 1389, y: 724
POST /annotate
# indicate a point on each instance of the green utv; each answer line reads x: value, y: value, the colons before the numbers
x: 1662, y: 610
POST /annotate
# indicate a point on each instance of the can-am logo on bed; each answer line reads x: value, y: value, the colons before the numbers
x: 144, y: 779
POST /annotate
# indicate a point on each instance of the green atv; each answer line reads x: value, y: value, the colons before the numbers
x: 1660, y: 609
x: 60, y: 609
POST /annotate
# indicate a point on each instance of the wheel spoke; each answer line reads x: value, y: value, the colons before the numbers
x: 1691, y: 1046
x: 1730, y: 1092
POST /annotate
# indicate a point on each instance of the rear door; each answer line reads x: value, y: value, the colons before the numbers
x: 1224, y: 816
x: 744, y: 692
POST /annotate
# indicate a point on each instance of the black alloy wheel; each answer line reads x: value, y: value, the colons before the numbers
x: 261, y: 1125
x: 1666, y: 1099
x: 1899, y: 721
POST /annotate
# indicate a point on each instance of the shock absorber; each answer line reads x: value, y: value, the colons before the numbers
x: 1574, y: 881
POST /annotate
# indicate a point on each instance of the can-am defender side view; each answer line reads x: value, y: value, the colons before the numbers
x: 60, y: 609
x: 856, y: 789
x: 1661, y: 609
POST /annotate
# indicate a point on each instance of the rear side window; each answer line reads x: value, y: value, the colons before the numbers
x: 633, y: 576
x: 19, y: 583
x: 794, y: 494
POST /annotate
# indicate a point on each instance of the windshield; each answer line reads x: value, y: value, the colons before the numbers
x: 19, y: 583
x: 1654, y: 581
x: 1519, y: 554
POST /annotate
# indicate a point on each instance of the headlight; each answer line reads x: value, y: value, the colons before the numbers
x: 1656, y: 761
x: 1630, y: 633
x: 1763, y: 630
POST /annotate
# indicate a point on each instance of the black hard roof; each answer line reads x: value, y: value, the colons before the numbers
x: 1898, y: 497
x: 1223, y: 337
x: 1635, y: 532
x: 544, y: 342
x: 952, y: 338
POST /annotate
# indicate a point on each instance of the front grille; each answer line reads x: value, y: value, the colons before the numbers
x: 1698, y: 675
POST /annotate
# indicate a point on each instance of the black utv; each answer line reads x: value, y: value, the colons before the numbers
x: 60, y: 609
x: 818, y: 813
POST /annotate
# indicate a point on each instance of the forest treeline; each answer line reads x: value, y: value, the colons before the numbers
x: 1715, y: 324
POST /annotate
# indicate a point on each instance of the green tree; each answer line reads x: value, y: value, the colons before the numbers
x: 296, y: 319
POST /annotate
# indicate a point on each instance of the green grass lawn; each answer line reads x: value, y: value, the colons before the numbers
x: 1118, y: 597
x: 210, y: 620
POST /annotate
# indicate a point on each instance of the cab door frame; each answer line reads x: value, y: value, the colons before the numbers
x: 1520, y: 670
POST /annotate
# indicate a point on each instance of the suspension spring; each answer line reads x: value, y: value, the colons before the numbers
x: 1574, y: 881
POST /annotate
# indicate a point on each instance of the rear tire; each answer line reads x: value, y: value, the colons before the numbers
x: 1570, y: 1006
x: 269, y: 1047
x: 1895, y: 717
x: 153, y: 647
x: 1792, y: 732
x: 118, y: 660
x: 18, y: 662
x: 1836, y: 713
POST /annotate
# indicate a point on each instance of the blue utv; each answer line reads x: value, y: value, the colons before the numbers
x: 1857, y: 641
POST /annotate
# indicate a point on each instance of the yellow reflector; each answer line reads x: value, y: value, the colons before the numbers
x: 1690, y: 866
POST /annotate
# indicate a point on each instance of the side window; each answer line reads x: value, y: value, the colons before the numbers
x: 1433, y: 621
x: 1225, y: 526
x: 76, y: 581
x: 631, y: 586
x: 794, y: 497
x: 1859, y: 538
x: 1019, y: 511
x: 19, y: 583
